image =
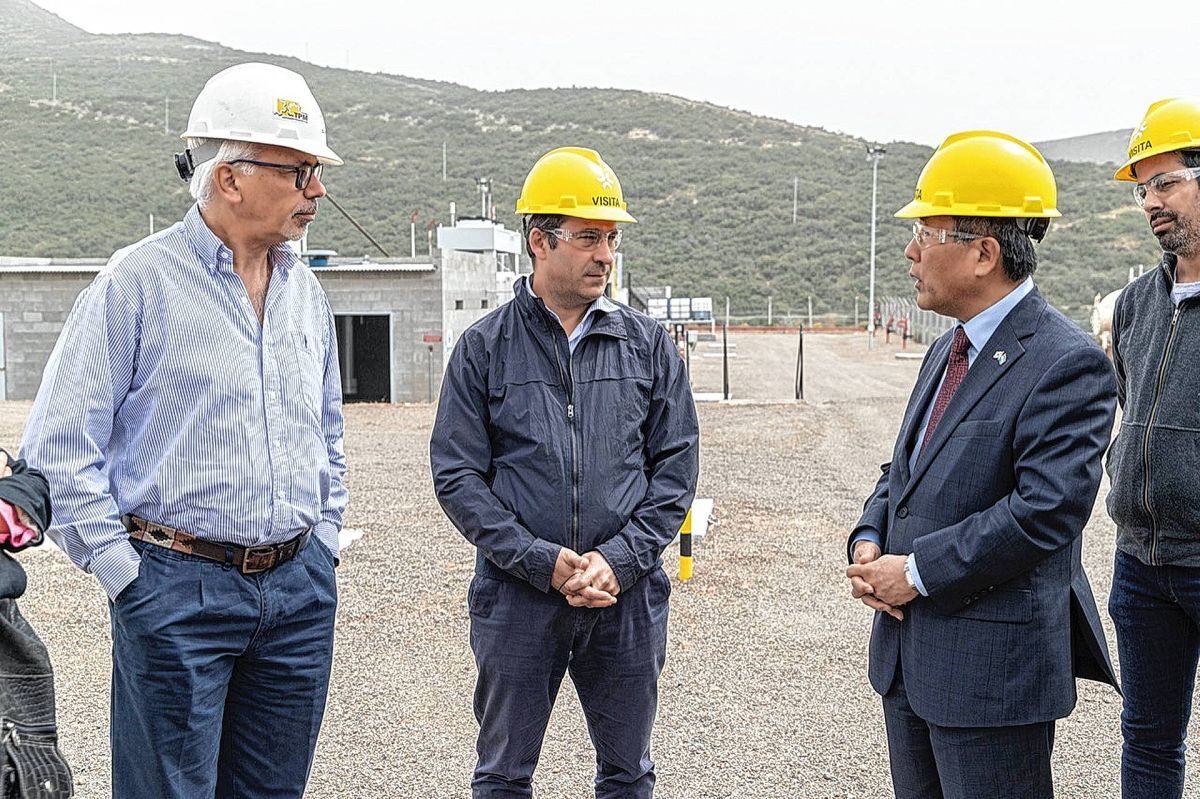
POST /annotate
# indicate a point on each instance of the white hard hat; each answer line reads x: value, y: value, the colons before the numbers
x: 259, y: 103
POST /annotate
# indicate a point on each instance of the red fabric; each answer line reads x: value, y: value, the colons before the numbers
x: 11, y: 527
x: 956, y: 370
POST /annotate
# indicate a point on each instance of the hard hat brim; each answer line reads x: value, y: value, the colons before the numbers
x: 322, y: 153
x: 1125, y: 173
x: 593, y: 214
x: 918, y: 209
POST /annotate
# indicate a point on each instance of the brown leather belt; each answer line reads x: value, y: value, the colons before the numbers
x: 250, y: 560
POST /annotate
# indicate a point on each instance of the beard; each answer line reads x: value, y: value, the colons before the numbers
x: 1182, y: 238
x: 297, y: 226
x: 296, y: 230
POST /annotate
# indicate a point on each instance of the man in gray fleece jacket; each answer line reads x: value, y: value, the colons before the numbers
x: 1155, y: 459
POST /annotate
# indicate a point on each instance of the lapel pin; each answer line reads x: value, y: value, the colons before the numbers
x: 1001, y: 356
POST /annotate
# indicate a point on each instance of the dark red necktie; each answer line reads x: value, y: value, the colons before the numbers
x: 956, y: 370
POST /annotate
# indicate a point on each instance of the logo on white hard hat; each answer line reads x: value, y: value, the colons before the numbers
x: 289, y: 109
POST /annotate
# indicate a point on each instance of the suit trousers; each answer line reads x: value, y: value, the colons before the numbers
x: 219, y: 678
x: 929, y: 761
x: 525, y: 640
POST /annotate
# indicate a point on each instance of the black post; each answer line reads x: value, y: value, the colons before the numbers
x: 800, y: 366
x: 687, y: 356
x: 725, y: 358
x: 431, y: 373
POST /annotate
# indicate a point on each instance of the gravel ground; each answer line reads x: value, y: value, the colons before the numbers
x: 765, y: 691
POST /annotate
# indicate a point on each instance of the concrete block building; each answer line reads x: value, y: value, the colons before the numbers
x: 397, y: 319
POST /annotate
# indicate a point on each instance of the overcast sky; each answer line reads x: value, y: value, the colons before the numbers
x: 881, y: 70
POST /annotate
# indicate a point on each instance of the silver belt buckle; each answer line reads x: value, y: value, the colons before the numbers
x: 258, y: 559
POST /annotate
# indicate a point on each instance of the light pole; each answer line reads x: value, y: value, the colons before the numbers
x: 874, y: 153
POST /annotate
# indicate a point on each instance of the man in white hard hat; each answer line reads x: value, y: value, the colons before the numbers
x: 189, y: 423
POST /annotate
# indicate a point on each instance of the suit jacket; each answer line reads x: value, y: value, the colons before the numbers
x: 994, y: 511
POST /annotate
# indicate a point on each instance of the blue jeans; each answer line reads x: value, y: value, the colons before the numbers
x: 1156, y: 612
x: 525, y: 641
x: 219, y: 678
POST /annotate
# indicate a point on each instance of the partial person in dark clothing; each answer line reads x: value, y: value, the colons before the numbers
x: 31, y: 766
x: 566, y: 450
x: 1154, y: 460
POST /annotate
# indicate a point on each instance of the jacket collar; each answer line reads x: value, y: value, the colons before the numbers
x: 989, y: 367
x: 606, y: 322
x: 1168, y: 265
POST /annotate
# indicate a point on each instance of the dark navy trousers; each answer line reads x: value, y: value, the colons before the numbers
x: 219, y: 678
x: 929, y: 761
x: 525, y: 641
x: 1156, y: 612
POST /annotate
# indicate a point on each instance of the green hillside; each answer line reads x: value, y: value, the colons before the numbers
x: 712, y: 187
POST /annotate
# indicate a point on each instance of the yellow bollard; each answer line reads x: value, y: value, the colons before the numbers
x: 685, y: 549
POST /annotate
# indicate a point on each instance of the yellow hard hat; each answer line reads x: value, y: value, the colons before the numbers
x: 984, y: 173
x: 1169, y: 125
x: 573, y: 181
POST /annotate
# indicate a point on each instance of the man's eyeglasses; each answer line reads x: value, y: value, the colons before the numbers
x: 926, y: 237
x: 1163, y: 184
x: 304, y: 172
x: 588, y: 239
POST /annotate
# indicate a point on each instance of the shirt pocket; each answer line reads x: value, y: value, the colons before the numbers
x: 311, y: 370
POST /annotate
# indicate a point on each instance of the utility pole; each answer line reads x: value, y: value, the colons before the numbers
x: 443, y: 162
x: 874, y: 153
x: 485, y: 195
x: 795, y: 197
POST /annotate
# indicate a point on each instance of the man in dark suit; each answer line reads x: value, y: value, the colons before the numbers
x: 969, y: 546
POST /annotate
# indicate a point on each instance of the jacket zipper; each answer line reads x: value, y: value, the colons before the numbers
x: 12, y: 732
x: 574, y: 454
x: 568, y: 378
x: 1162, y: 371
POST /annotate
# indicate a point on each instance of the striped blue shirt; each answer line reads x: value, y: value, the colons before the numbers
x: 164, y: 398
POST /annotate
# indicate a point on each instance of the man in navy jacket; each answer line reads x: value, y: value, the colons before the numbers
x: 566, y: 450
x: 969, y: 546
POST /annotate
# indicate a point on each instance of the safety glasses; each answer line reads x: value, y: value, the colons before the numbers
x: 304, y: 172
x: 1163, y: 184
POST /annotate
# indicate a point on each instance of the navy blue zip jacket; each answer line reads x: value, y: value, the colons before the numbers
x: 535, y: 449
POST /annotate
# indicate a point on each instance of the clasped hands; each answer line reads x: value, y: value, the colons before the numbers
x: 878, y: 580
x: 587, y: 581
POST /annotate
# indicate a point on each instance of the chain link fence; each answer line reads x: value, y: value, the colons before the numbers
x: 895, y: 313
x: 923, y: 326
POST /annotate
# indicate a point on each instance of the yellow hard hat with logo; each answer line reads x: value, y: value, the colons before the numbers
x: 1169, y: 125
x: 984, y: 173
x: 574, y: 181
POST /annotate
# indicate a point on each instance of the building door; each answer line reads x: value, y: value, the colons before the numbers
x: 365, y: 357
